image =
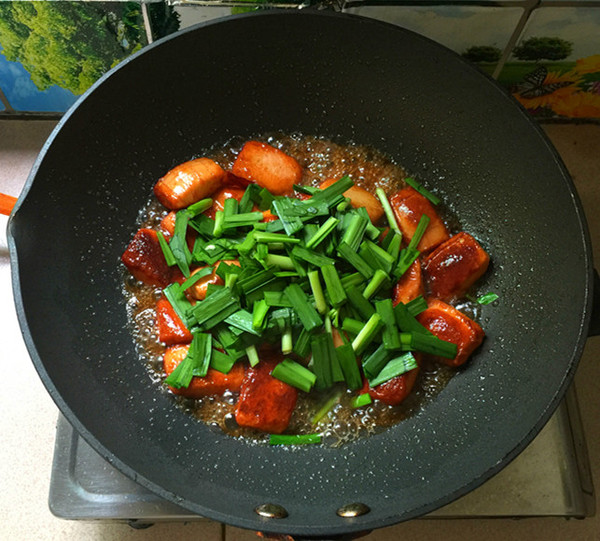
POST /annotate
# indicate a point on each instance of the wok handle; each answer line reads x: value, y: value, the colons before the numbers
x: 594, y: 329
x: 7, y: 202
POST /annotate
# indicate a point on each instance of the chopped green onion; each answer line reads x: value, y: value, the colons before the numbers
x: 247, y: 200
x: 178, y: 243
x: 350, y: 255
x: 215, y: 308
x: 321, y: 360
x: 406, y: 258
x: 361, y: 400
x: 376, y: 256
x: 294, y: 374
x: 395, y: 367
x: 389, y: 212
x: 367, y: 334
x: 416, y: 306
x: 359, y: 303
x: 419, y: 232
x: 199, y: 207
x: 347, y: 360
x: 393, y: 247
x: 174, y: 294
x: 353, y: 236
x: 295, y: 439
x: 332, y: 193
x: 263, y: 236
x: 243, y: 320
x: 422, y: 190
x: 317, y: 291
x: 335, y: 290
x: 276, y: 298
x: 379, y: 278
x: 259, y: 314
x: 407, y: 322
x: 286, y: 341
x: 252, y: 354
x: 280, y: 261
x: 230, y: 207
x: 354, y: 279
x: 311, y: 256
x: 166, y: 250
x: 195, y: 362
x: 196, y: 277
x: 352, y: 326
x: 373, y: 364
x: 302, y: 343
x: 326, y: 407
x: 306, y: 312
x: 488, y: 298
x: 202, y: 350
x: 221, y: 361
x: 390, y: 334
x: 428, y: 343
x: 323, y: 232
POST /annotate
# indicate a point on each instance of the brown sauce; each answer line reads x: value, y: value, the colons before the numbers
x: 321, y: 159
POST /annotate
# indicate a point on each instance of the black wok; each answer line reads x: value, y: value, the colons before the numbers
x: 350, y: 79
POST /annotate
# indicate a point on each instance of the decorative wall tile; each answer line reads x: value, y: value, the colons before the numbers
x: 554, y: 70
x: 52, y: 52
x: 459, y: 28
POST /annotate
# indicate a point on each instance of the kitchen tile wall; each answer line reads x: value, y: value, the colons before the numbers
x: 546, y: 52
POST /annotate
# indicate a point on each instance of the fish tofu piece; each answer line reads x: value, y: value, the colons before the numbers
x: 408, y: 206
x: 188, y: 183
x: 265, y: 403
x: 453, y: 267
x: 268, y: 167
x: 447, y: 323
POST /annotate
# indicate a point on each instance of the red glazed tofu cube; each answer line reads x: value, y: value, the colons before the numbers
x: 447, y: 323
x: 188, y: 183
x: 265, y: 403
x: 409, y: 205
x: 359, y: 197
x: 395, y: 390
x: 145, y: 260
x: 452, y: 268
x: 214, y: 383
x: 268, y: 166
x: 171, y: 329
x: 410, y: 285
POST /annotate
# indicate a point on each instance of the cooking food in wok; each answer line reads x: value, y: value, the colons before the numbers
x: 350, y: 80
x: 289, y: 302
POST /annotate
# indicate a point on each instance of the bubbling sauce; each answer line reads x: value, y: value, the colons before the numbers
x: 320, y: 159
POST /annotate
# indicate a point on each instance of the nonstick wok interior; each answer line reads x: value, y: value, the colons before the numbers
x: 349, y: 79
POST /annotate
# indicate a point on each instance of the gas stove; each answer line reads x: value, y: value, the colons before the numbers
x: 550, y: 478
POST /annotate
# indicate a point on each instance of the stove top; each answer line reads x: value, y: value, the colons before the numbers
x: 550, y: 478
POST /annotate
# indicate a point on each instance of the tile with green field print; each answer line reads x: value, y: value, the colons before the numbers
x: 52, y: 52
x: 554, y: 70
x: 480, y: 33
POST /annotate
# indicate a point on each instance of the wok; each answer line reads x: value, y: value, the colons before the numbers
x: 350, y: 79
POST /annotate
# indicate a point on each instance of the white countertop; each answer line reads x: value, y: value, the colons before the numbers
x: 29, y: 416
